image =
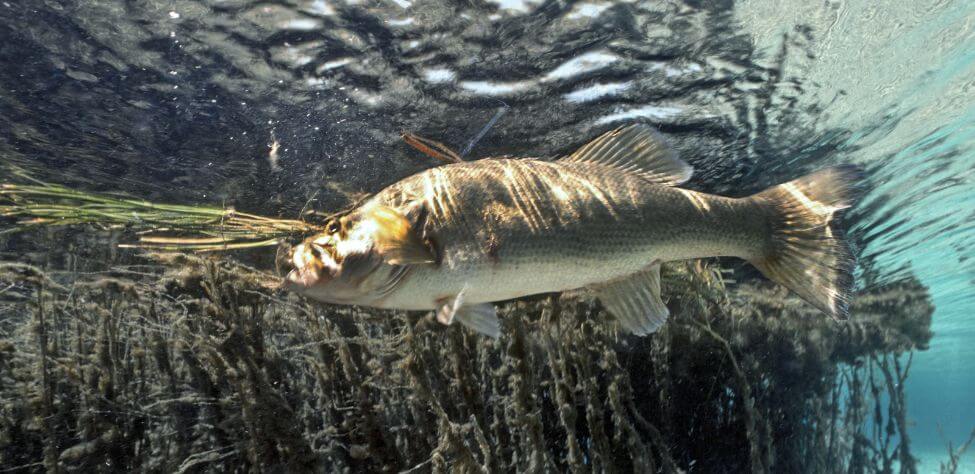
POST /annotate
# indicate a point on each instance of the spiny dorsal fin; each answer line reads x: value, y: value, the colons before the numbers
x: 637, y: 148
x: 635, y: 301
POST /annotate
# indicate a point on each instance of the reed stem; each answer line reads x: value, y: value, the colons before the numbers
x: 199, y: 228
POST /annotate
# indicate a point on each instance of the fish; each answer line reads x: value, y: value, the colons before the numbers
x: 458, y: 238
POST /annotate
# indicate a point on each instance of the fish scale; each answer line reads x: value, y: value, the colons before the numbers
x: 565, y: 235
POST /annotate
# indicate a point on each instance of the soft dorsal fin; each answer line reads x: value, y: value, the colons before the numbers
x: 637, y: 148
x: 635, y: 301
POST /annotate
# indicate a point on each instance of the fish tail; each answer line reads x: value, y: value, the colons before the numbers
x: 805, y: 252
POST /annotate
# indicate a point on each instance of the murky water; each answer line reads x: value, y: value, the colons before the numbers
x: 275, y: 106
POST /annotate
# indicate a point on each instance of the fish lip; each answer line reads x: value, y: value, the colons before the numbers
x: 290, y: 281
x: 301, y: 279
x: 310, y: 270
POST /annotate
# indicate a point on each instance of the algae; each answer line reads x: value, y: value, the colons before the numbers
x: 201, y: 366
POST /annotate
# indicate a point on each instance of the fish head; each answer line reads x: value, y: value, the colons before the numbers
x: 360, y: 257
x: 338, y: 265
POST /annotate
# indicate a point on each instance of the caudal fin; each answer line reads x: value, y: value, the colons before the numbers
x: 806, y: 252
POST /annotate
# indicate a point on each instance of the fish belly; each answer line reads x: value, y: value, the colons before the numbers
x: 490, y: 282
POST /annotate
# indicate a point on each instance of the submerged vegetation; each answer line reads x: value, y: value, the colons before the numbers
x: 199, y: 366
x: 211, y: 229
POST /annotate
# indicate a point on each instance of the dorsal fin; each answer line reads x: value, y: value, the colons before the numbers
x: 636, y: 148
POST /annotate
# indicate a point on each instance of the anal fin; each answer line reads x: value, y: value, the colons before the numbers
x: 635, y: 301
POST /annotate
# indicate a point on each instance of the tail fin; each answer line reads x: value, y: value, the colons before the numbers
x: 805, y: 252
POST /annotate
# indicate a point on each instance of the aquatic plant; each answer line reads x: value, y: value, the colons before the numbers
x: 200, y: 367
x: 199, y: 228
x: 950, y: 466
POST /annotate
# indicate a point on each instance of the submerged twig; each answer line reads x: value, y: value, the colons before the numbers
x: 955, y: 454
x: 431, y: 148
x: 487, y: 127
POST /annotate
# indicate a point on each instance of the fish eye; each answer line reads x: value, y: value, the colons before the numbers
x: 333, y: 226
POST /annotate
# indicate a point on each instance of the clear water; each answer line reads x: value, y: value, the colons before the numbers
x: 182, y: 101
x: 897, y: 79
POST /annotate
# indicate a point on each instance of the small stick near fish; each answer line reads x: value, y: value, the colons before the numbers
x: 431, y: 148
x: 487, y: 127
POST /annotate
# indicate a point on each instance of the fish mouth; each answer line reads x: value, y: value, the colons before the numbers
x: 311, y: 265
x: 300, y: 279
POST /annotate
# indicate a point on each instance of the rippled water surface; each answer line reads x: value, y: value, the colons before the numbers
x: 269, y: 106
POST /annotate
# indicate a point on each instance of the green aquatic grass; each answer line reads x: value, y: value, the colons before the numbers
x: 199, y: 228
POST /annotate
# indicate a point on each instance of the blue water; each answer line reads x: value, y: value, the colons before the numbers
x: 901, y: 79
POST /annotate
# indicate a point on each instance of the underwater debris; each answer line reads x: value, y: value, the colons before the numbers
x: 954, y: 454
x: 199, y: 371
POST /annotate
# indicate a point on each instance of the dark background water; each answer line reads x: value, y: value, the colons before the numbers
x: 184, y: 101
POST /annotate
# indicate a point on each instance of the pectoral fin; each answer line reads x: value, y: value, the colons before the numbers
x: 447, y: 309
x: 396, y: 239
x: 635, y: 301
x: 482, y: 317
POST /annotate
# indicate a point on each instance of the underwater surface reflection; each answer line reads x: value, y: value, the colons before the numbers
x: 283, y: 106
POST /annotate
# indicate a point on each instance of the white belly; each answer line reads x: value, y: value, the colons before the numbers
x: 483, y: 281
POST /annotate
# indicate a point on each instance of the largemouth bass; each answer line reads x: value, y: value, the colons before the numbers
x: 459, y: 237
